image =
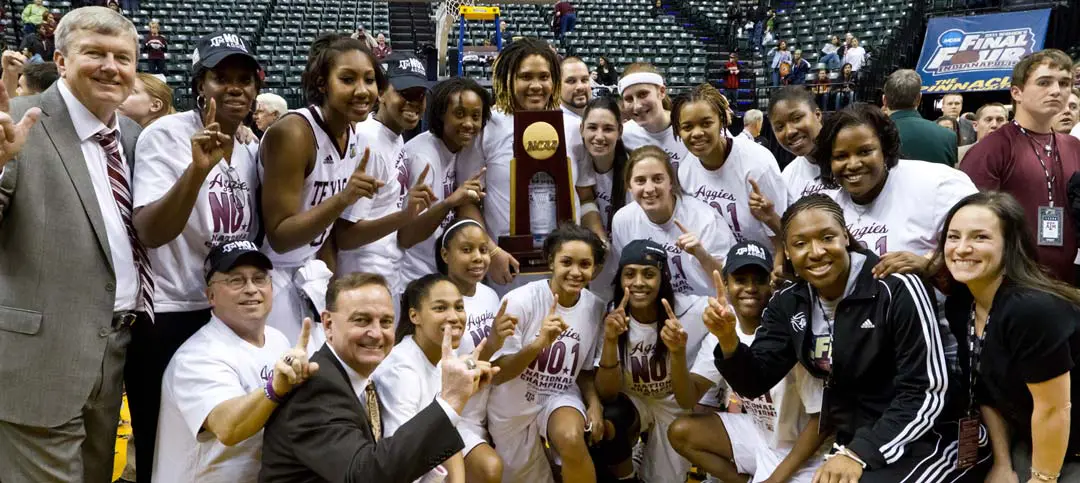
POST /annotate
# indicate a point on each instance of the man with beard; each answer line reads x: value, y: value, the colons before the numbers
x: 576, y: 88
x: 401, y: 105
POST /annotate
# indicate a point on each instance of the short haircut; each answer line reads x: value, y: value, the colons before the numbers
x: 99, y: 20
x: 858, y: 114
x: 273, y: 102
x: 352, y: 281
x: 701, y: 93
x: 439, y: 102
x: 979, y: 112
x: 571, y: 59
x: 324, y: 52
x: 753, y: 116
x: 902, y: 89
x: 1053, y: 58
x: 40, y: 76
x: 957, y: 94
x: 797, y: 94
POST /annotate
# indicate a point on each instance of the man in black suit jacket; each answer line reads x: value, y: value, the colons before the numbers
x: 324, y: 430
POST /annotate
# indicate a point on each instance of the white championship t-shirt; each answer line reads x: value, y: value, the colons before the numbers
x: 908, y: 213
x: 420, y: 152
x: 224, y: 209
x: 554, y: 371
x: 494, y: 149
x: 328, y: 177
x: 480, y: 309
x: 634, y: 136
x: 801, y: 177
x: 727, y: 190
x: 779, y: 414
x: 687, y: 275
x: 643, y: 374
x: 387, y: 164
x: 213, y: 366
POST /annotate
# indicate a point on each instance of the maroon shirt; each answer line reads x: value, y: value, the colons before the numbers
x: 1005, y: 160
x: 563, y: 8
x: 156, y: 46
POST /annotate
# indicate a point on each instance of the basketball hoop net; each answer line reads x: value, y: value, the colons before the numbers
x: 446, y: 18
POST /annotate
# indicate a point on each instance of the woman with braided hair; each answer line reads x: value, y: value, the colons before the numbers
x: 889, y: 398
x: 525, y: 78
x: 732, y: 175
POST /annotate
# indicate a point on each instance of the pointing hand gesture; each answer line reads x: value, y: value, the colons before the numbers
x: 553, y: 325
x: 762, y: 208
x: 502, y: 327
x: 615, y: 324
x: 361, y: 184
x: 672, y: 334
x: 471, y: 191
x: 688, y: 241
x: 463, y: 376
x: 719, y: 318
x: 420, y: 196
x: 293, y: 368
x: 208, y: 145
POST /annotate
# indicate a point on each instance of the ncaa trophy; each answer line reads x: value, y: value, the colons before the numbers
x: 539, y: 150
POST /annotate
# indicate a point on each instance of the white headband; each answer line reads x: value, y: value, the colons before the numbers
x: 639, y: 78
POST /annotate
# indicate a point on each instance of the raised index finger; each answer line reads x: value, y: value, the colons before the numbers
x: 479, y: 174
x: 718, y: 282
x: 681, y: 227
x: 447, y: 343
x: 625, y: 298
x: 667, y: 308
x: 554, y: 302
x: 423, y: 175
x: 211, y: 112
x: 363, y: 161
x: 305, y: 334
x: 502, y: 310
x: 754, y: 186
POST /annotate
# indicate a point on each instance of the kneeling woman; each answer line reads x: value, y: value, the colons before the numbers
x: 1023, y: 342
x: 545, y: 385
x: 644, y: 377
x: 464, y: 258
x: 876, y: 343
x: 410, y: 378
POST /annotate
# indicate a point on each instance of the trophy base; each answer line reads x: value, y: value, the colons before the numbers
x: 521, y: 247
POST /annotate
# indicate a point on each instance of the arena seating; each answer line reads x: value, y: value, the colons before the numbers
x: 624, y: 31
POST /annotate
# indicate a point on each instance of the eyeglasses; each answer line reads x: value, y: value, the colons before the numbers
x: 239, y: 282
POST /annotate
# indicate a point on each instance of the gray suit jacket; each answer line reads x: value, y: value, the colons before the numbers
x: 57, y: 285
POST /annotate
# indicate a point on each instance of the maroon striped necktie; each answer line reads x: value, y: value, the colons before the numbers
x: 121, y: 190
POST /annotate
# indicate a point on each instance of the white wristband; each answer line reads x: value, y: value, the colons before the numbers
x: 589, y: 207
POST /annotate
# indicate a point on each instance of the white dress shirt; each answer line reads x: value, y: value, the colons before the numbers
x: 123, y: 259
x: 359, y: 385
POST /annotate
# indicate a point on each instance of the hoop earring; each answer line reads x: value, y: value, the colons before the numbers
x: 200, y: 102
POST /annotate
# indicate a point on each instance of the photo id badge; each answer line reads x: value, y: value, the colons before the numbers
x: 968, y: 442
x: 1051, y: 221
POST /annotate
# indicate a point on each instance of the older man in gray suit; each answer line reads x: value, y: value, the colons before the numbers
x: 73, y: 277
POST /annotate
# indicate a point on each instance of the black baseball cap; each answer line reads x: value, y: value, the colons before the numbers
x: 405, y: 71
x: 643, y: 252
x: 748, y: 254
x: 211, y: 49
x: 229, y: 255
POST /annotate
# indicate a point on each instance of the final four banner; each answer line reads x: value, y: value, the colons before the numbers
x: 977, y: 53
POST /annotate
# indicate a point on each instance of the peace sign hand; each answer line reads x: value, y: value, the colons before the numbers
x: 361, y: 184
x: 471, y: 191
x: 719, y: 318
x: 688, y: 241
x: 502, y: 327
x: 672, y: 334
x: 553, y: 325
x: 293, y: 368
x: 615, y: 324
x: 420, y: 196
x: 208, y: 145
